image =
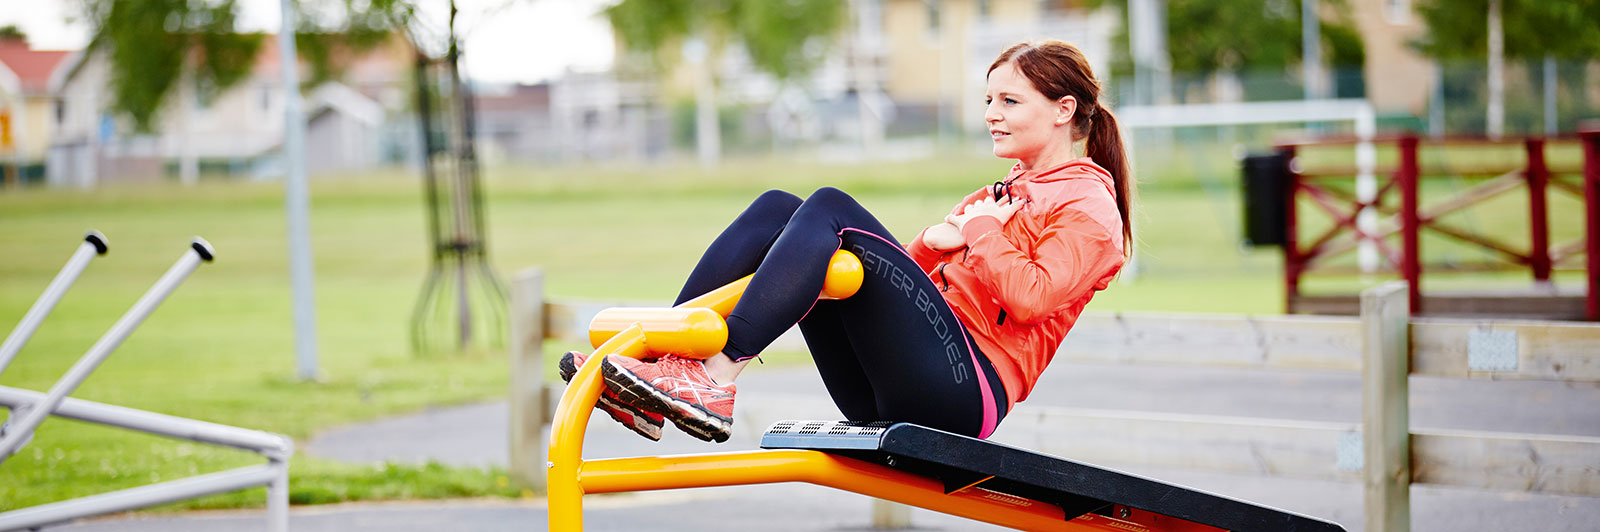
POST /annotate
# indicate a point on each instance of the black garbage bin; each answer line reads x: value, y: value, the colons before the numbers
x: 1266, y: 197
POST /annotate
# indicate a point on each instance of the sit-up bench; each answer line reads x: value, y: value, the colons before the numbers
x: 960, y: 463
x: 904, y: 463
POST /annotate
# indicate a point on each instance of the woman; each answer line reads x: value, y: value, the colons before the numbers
x: 948, y: 331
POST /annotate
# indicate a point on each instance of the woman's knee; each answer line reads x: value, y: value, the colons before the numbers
x: 777, y: 198
x: 828, y: 202
x: 830, y: 196
x: 774, y: 204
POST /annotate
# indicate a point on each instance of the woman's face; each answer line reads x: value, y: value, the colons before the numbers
x: 1024, y: 124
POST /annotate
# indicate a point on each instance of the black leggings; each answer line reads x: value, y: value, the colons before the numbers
x: 892, y: 352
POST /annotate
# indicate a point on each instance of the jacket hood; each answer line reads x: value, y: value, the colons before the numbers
x: 1080, y: 168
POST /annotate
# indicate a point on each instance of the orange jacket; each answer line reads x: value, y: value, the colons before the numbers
x: 1019, y: 287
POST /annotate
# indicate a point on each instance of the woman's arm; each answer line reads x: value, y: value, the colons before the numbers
x: 1072, y: 256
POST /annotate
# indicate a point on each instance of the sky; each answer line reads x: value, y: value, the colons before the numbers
x: 505, y: 41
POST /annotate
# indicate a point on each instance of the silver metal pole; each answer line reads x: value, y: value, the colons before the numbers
x: 278, y: 497
x: 294, y: 190
x: 93, y: 244
x: 140, y: 497
x: 19, y: 432
x: 1311, y: 48
x: 1551, y: 127
x: 268, y: 444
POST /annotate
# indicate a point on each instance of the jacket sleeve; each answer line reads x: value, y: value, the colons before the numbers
x: 1073, y: 255
x: 925, y: 256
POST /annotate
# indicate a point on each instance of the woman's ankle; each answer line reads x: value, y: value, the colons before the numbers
x: 723, y: 369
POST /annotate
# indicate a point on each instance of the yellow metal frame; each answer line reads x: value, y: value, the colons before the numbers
x: 689, y: 330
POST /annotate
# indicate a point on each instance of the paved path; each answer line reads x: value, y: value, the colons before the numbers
x: 475, y: 435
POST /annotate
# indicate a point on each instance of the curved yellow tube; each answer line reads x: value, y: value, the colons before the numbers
x: 683, y: 331
x: 564, y: 492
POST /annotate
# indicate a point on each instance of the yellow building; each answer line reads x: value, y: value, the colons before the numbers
x: 1397, y: 77
x: 27, y: 108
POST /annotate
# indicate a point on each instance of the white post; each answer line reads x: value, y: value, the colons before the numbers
x: 1497, y: 74
x: 707, y: 130
x: 1551, y: 125
x: 1436, y: 102
x: 1367, y: 187
x: 295, y: 201
x: 188, y: 159
x: 527, y: 379
x: 1311, y: 48
x: 890, y: 515
x: 1385, y: 427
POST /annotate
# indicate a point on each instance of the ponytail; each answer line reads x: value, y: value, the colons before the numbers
x: 1105, y: 148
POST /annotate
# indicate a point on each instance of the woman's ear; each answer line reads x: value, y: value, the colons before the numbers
x: 1066, y: 107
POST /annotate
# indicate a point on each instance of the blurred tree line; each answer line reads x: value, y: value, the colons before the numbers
x: 157, y: 46
x: 1206, y: 38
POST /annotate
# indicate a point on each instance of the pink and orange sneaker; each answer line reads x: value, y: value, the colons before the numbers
x: 642, y: 423
x: 676, y: 387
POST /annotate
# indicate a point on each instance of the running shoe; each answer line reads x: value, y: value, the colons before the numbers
x: 676, y: 387
x: 642, y: 423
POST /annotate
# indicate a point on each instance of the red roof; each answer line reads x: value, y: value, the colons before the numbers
x: 33, y: 67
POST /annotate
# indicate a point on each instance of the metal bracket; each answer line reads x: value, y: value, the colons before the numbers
x: 1491, y: 350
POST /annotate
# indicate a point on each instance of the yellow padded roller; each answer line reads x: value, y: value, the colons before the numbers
x: 696, y: 328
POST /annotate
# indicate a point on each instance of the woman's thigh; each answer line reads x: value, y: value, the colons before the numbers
x: 910, y: 346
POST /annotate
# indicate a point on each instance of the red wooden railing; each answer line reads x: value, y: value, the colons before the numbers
x: 1410, y: 217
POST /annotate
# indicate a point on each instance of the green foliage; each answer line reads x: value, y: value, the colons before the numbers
x: 153, y: 42
x: 12, y: 33
x: 778, y: 35
x: 327, y: 49
x: 1458, y: 29
x: 1209, y: 36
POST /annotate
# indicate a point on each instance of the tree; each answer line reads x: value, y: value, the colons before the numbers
x: 778, y: 37
x: 1565, y: 29
x: 1208, y: 37
x: 1530, y: 31
x: 155, y: 44
x: 12, y: 33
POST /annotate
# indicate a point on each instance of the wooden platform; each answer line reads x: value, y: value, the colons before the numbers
x: 1527, y: 304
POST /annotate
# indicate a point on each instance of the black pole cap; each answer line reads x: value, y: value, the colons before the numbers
x: 203, y: 248
x: 99, y: 241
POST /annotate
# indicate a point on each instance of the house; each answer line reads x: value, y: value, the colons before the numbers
x: 236, y: 132
x: 918, y: 65
x: 27, y: 107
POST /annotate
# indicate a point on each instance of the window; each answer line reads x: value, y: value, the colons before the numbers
x: 985, y: 9
x: 61, y: 111
x: 1397, y: 12
x: 934, y: 7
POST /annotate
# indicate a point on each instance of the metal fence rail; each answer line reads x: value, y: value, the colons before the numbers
x: 29, y: 409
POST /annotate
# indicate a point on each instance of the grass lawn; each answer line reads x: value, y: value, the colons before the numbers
x: 220, y: 349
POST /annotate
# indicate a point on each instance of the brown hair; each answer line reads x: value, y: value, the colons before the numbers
x: 1058, y: 69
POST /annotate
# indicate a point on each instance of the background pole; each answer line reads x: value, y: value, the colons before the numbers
x: 295, y: 202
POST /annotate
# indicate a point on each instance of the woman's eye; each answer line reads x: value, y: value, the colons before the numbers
x: 1011, y: 101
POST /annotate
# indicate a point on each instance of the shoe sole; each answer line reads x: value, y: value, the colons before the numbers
x: 688, y: 417
x: 640, y: 423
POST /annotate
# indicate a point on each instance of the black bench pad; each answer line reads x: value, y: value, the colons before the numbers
x: 1078, y: 488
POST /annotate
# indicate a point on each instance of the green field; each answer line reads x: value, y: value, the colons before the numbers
x: 220, y: 349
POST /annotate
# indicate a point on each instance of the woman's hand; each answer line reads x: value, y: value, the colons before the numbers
x: 1001, y: 210
x: 943, y: 237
